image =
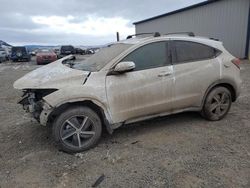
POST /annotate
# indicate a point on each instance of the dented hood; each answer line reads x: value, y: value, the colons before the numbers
x: 54, y: 75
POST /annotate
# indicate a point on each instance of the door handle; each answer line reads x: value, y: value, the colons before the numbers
x: 164, y: 74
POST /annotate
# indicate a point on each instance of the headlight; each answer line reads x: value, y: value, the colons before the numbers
x: 40, y: 93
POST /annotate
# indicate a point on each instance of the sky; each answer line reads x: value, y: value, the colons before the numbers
x: 77, y: 22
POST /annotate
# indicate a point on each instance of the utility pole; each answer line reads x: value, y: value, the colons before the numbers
x: 117, y: 36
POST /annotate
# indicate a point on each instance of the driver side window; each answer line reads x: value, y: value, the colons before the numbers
x: 149, y: 56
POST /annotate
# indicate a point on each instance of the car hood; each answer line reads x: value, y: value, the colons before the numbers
x: 52, y: 76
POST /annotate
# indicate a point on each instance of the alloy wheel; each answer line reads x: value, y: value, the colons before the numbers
x: 77, y: 131
x: 219, y: 104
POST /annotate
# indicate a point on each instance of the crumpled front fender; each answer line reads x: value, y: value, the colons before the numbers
x: 79, y: 94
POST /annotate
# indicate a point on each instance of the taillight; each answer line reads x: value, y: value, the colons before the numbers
x: 237, y: 62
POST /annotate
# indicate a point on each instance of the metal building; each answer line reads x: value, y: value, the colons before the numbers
x: 227, y: 20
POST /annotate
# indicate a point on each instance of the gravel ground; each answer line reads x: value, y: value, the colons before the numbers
x: 182, y: 150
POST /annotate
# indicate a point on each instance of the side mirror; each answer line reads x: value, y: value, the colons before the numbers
x: 69, y: 61
x: 72, y: 57
x: 124, y: 66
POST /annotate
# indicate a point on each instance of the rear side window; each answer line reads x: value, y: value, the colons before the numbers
x: 149, y: 56
x: 191, y: 51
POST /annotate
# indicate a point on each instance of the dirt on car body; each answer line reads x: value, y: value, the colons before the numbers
x: 181, y: 150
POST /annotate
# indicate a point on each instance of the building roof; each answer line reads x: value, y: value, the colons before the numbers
x: 178, y: 11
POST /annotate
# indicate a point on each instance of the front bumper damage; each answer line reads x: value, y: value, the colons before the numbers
x: 38, y: 108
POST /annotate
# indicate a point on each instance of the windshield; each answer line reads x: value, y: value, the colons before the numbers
x: 18, y: 49
x: 65, y: 48
x: 97, y: 61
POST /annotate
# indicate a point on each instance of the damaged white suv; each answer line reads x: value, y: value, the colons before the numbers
x: 130, y: 81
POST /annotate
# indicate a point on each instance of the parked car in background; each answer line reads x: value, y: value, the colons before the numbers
x: 57, y: 52
x: 131, y: 81
x: 20, y: 53
x: 3, y: 55
x: 8, y: 53
x: 90, y: 51
x: 80, y: 51
x: 45, y: 56
x: 34, y: 52
x: 67, y: 50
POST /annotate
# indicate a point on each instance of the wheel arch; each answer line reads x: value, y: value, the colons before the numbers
x: 230, y: 86
x: 95, y: 106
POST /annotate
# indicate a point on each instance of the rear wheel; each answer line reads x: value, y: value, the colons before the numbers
x: 217, y: 104
x: 77, y: 129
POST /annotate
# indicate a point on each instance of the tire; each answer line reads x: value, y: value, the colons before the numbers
x: 217, y: 104
x: 77, y: 129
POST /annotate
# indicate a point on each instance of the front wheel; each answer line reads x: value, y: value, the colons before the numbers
x: 217, y: 104
x: 77, y: 129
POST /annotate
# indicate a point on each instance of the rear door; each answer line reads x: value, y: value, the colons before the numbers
x: 195, y: 69
x: 146, y: 90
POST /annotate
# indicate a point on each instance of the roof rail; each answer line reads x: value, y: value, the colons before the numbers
x: 214, y: 39
x: 191, y: 34
x: 155, y: 34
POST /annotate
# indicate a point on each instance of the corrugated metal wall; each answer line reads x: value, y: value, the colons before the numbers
x: 249, y: 51
x: 226, y: 20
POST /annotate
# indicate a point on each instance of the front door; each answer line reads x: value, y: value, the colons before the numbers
x: 147, y: 90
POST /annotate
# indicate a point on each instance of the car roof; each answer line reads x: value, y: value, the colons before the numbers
x: 207, y: 41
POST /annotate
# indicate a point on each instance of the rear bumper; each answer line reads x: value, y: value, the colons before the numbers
x: 238, y: 90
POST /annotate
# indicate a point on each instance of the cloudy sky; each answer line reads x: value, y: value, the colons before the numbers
x: 77, y: 22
